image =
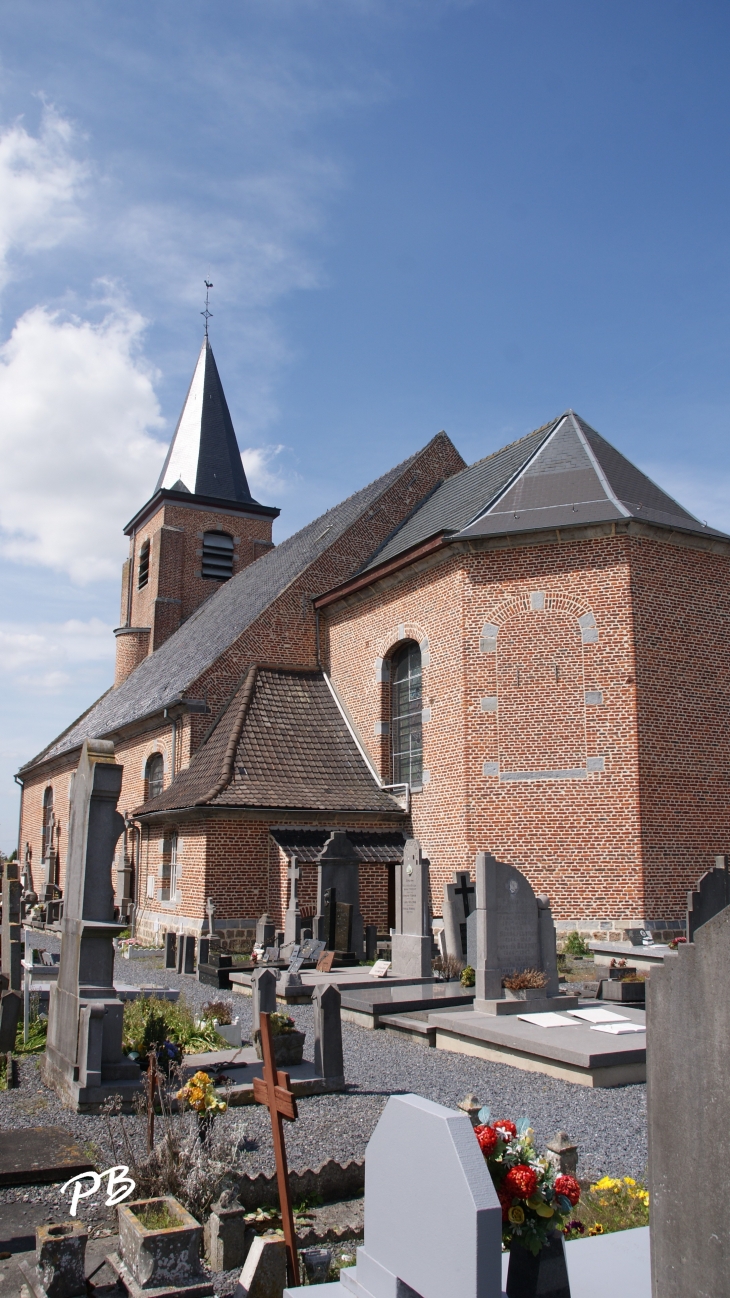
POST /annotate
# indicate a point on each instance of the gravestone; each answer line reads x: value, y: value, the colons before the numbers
x: 84, y: 1062
x: 170, y: 950
x: 343, y: 928
x: 514, y: 931
x: 688, y: 1101
x: 10, y: 1008
x: 338, y: 869
x: 711, y: 895
x: 371, y: 941
x: 459, y: 904
x: 263, y: 995
x: 265, y: 930
x: 264, y: 1272
x: 419, y: 1240
x: 293, y: 918
x: 12, y: 946
x: 186, y: 954
x: 411, y: 941
x: 326, y: 1002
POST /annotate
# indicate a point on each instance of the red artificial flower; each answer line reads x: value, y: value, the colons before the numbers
x: 505, y: 1201
x: 487, y: 1138
x: 506, y: 1129
x: 569, y: 1188
x: 521, y: 1181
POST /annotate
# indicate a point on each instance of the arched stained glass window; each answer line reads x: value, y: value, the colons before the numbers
x: 154, y: 775
x: 406, y: 723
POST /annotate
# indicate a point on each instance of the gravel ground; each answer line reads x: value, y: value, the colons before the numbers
x: 609, y: 1126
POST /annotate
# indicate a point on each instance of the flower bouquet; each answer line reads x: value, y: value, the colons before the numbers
x: 536, y: 1203
x: 200, y: 1094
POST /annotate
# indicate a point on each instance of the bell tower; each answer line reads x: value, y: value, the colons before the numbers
x: 200, y: 527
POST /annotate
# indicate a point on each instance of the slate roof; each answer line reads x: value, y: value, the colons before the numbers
x: 203, y: 457
x: 291, y: 749
x: 562, y: 475
x: 381, y: 845
x: 163, y: 677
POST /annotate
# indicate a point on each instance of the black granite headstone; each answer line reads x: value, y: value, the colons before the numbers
x: 343, y: 927
x: 711, y: 895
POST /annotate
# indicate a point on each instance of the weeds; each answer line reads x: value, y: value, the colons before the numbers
x: 150, y: 1024
x: 528, y: 978
x: 576, y: 945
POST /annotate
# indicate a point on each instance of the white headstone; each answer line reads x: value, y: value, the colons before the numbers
x: 411, y: 942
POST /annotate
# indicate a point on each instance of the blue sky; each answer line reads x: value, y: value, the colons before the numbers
x: 415, y: 215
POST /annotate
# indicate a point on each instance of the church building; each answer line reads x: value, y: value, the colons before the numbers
x: 528, y: 655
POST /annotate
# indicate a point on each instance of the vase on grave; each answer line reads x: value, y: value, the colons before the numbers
x: 544, y: 1275
x: 159, y: 1246
x: 288, y: 1046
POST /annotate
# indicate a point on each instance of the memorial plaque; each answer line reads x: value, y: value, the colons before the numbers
x: 343, y: 927
x: 311, y: 949
x: 325, y: 962
x: 380, y: 969
x: 296, y: 964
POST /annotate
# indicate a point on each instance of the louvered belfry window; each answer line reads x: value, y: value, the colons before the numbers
x: 406, y: 721
x: 143, y: 575
x: 217, y: 555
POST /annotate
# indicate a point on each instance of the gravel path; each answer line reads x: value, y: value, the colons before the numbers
x: 608, y: 1125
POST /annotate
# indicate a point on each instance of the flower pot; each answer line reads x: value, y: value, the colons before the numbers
x: 288, y: 1047
x: 231, y: 1032
x: 622, y: 991
x: 525, y: 994
x: 159, y: 1258
x: 544, y: 1276
x: 317, y: 1263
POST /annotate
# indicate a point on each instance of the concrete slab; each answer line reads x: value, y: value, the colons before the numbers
x: 642, y: 957
x: 366, y: 1005
x: 42, y: 1154
x: 572, y: 1053
x: 600, y: 1267
x: 242, y: 1065
x: 346, y: 979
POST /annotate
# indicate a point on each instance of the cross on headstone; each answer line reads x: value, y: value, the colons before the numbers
x: 465, y: 892
x: 274, y: 1091
x: 294, y: 873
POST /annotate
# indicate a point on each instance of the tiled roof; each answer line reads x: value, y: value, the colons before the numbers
x: 207, y: 633
x: 381, y: 845
x: 562, y: 475
x: 459, y: 498
x: 290, y: 749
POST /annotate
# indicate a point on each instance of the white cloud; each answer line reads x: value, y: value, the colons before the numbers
x: 264, y: 476
x: 77, y: 402
x: 44, y: 655
x: 41, y: 183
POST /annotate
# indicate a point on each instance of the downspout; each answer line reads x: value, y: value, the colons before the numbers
x: 19, y: 782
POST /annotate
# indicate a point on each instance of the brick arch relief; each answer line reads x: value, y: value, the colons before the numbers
x: 536, y: 643
x: 391, y: 641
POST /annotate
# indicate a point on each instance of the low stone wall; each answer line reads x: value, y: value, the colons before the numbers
x: 330, y: 1181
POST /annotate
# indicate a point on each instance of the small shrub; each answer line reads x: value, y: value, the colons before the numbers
x: 574, y: 944
x: 518, y: 982
x: 220, y: 1010
x: 468, y: 976
x: 449, y: 967
x: 156, y: 1216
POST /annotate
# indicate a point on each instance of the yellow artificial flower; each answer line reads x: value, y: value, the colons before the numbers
x: 516, y: 1215
x: 543, y: 1210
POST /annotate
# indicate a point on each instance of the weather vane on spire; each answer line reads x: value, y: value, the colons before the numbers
x: 208, y: 315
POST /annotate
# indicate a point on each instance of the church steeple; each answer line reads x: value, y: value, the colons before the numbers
x: 204, y: 458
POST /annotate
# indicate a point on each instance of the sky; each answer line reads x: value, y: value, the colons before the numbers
x: 416, y: 214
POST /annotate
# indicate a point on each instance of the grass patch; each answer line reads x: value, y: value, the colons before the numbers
x: 609, y: 1205
x: 157, y: 1216
x: 37, y: 1032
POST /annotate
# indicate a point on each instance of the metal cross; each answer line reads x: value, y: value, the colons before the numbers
x: 274, y: 1090
x: 208, y: 315
x: 464, y: 892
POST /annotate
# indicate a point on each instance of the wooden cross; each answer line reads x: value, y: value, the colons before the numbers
x: 274, y: 1090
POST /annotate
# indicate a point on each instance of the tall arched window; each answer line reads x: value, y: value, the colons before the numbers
x: 169, y: 867
x: 154, y: 776
x: 406, y: 722
x: 217, y: 555
x: 47, y: 828
x: 143, y: 574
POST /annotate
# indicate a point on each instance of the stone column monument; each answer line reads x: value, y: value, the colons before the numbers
x: 411, y: 944
x: 293, y: 918
x: 12, y: 946
x: 84, y: 1061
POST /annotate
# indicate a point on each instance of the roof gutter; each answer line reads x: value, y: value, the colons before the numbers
x: 372, y: 575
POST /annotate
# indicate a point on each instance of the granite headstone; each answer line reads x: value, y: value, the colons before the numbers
x: 711, y: 895
x: 84, y: 1062
x: 514, y: 930
x: 688, y: 1103
x: 263, y: 995
x: 338, y: 869
x: 411, y: 941
x: 459, y: 904
x: 326, y: 1002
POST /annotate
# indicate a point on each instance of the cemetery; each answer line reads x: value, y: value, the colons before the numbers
x: 371, y: 1126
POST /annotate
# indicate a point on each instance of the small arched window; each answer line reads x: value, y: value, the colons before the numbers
x: 217, y: 555
x: 47, y: 828
x: 143, y: 574
x: 406, y: 722
x: 154, y: 776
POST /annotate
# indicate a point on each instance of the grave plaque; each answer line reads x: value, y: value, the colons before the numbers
x: 411, y: 942
x: 325, y: 962
x: 514, y: 930
x: 343, y: 927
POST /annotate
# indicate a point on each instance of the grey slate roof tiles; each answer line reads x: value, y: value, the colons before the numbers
x: 295, y: 751
x: 216, y: 624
